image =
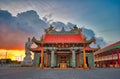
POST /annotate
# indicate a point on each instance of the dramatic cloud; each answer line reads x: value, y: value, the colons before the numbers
x: 89, y: 34
x: 30, y: 22
x: 14, y: 30
x: 48, y: 18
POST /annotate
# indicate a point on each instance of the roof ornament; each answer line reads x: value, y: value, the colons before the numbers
x: 42, y: 38
x: 75, y: 28
x: 98, y: 46
x: 33, y: 39
x: 93, y: 39
x: 80, y: 30
x: 63, y: 29
x: 51, y: 28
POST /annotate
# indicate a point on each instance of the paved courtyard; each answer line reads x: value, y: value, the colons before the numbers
x: 36, y: 73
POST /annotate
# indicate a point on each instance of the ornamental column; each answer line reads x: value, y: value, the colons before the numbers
x: 52, y: 58
x: 42, y: 58
x: 84, y: 58
x: 73, y: 59
x: 47, y: 61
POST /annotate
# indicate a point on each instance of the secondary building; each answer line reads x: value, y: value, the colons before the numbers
x: 108, y: 56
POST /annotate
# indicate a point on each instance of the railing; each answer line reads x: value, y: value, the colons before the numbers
x: 108, y: 57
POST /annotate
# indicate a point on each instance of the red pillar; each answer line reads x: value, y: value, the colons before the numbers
x: 42, y: 58
x: 109, y: 64
x: 109, y: 61
x: 103, y: 62
x: 78, y: 59
x: 117, y: 51
x: 99, y: 61
x: 47, y: 59
x: 112, y: 59
x: 99, y: 64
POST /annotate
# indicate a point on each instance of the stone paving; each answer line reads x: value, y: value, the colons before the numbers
x: 36, y: 73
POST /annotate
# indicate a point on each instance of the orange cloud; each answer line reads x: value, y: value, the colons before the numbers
x: 11, y: 39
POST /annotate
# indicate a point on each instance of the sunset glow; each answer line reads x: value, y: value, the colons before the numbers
x: 12, y: 54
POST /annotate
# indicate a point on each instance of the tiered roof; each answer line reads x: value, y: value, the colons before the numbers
x: 72, y: 36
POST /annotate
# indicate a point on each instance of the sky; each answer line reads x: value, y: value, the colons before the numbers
x: 20, y: 19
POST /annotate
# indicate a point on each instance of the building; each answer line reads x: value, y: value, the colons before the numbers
x: 108, y: 56
x: 5, y: 61
x: 63, y: 49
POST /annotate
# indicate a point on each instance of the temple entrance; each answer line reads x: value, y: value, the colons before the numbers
x: 63, y: 60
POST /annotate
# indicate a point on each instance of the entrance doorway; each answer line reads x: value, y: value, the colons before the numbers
x: 63, y: 60
x: 87, y: 62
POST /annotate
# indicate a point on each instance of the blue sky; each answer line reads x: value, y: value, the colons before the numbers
x: 100, y: 16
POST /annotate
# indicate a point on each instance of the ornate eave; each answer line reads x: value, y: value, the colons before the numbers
x: 90, y: 41
x: 36, y: 49
x: 36, y: 41
x: 90, y: 49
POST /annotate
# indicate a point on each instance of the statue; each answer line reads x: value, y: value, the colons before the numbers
x: 27, y: 59
x: 27, y: 46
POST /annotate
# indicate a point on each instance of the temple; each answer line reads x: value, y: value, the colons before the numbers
x: 63, y: 49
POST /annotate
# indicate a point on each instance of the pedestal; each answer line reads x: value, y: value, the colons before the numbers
x: 27, y: 61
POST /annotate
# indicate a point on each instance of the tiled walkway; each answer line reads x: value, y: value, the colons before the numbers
x: 36, y: 73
